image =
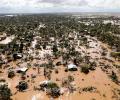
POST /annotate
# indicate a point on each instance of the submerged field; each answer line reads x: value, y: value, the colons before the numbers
x: 43, y: 46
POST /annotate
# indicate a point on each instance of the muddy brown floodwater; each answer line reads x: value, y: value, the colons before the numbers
x: 97, y: 78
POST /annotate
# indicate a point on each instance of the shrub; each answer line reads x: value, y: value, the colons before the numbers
x: 2, y: 80
x: 85, y: 69
x: 70, y: 78
x: 92, y: 65
x: 5, y: 92
x: 65, y: 83
x: 91, y: 89
x: 114, y: 77
x: 66, y: 70
x: 88, y: 89
x: 22, y: 86
x: 115, y: 54
x: 58, y: 63
x: 11, y: 74
x: 56, y: 71
x: 104, y: 53
x: 50, y: 65
x: 54, y: 90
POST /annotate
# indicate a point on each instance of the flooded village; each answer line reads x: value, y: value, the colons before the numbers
x: 59, y: 57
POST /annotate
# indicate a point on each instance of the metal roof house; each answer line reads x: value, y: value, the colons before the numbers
x: 72, y: 67
x: 24, y: 69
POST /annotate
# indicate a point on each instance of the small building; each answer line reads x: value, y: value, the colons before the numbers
x: 20, y: 70
x: 17, y: 55
x: 72, y: 67
x: 45, y: 82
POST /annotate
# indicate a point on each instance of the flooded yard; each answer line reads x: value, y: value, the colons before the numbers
x: 99, y: 79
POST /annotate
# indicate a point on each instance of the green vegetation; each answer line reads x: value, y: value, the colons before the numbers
x: 11, y: 74
x: 85, y: 68
x: 115, y: 54
x: 114, y: 77
x: 90, y: 89
x: 5, y: 92
x: 52, y: 89
x: 22, y: 86
x: 70, y: 78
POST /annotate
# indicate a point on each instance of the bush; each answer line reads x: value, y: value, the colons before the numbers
x: 104, y: 53
x: 5, y: 92
x: 92, y: 65
x: 11, y: 74
x: 53, y: 90
x: 2, y: 80
x: 88, y: 89
x: 85, y: 69
x: 114, y: 77
x: 66, y: 70
x: 58, y: 63
x: 115, y: 54
x: 50, y: 65
x: 56, y: 71
x: 70, y: 78
x: 22, y: 86
x: 1, y: 63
